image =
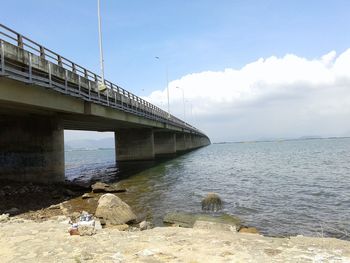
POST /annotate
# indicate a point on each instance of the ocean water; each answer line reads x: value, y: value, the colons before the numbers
x: 282, y: 188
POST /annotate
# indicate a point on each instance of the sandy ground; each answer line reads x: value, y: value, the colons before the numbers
x: 48, y: 241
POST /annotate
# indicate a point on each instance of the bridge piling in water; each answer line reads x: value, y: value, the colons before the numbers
x: 134, y: 145
x: 164, y: 144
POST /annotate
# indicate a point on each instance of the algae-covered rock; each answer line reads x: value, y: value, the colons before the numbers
x: 184, y: 219
x: 212, y: 202
x: 100, y: 187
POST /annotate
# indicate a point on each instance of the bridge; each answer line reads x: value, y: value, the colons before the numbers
x: 42, y: 93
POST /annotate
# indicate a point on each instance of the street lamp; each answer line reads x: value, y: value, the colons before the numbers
x: 183, y: 101
x: 101, y: 87
x: 167, y: 85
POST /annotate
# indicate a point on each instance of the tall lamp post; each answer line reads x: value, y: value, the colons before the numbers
x: 183, y: 101
x: 101, y: 87
x: 167, y: 85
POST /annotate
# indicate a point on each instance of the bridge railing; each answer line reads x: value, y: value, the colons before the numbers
x: 50, y: 69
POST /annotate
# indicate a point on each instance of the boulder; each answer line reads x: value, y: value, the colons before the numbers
x: 183, y: 219
x: 100, y: 187
x: 113, y: 210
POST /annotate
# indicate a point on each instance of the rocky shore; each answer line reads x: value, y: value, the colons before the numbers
x: 52, y: 230
x: 48, y: 241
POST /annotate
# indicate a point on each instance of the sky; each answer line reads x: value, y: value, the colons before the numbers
x: 248, y: 69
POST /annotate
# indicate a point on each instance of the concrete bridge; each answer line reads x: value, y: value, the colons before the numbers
x: 43, y: 93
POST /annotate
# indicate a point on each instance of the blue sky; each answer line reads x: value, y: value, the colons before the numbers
x: 190, y: 36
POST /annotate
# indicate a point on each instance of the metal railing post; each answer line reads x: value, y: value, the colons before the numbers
x: 50, y: 75
x: 42, y: 52
x: 89, y: 85
x: 107, y: 93
x: 30, y: 68
x: 2, y: 56
x: 79, y: 84
x: 66, y: 79
x: 19, y: 41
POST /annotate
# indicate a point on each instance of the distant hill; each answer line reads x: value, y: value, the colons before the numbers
x: 89, y: 144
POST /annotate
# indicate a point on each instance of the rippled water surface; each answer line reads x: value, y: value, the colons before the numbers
x: 282, y: 188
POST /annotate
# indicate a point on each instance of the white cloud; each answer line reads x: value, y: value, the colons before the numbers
x: 289, y: 96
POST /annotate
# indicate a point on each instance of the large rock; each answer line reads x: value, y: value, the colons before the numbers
x: 100, y: 187
x: 113, y: 210
x: 183, y: 219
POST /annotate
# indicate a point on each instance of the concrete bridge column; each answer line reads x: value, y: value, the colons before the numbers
x: 134, y: 144
x: 31, y: 149
x: 164, y: 143
x: 180, y: 142
x: 188, y: 141
x: 196, y: 141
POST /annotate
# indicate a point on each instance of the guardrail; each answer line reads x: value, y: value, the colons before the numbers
x: 43, y: 67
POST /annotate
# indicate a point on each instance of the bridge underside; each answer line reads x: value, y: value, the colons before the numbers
x: 32, y: 132
x: 32, y: 146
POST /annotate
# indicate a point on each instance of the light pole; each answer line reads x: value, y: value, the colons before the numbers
x: 101, y: 87
x: 167, y: 85
x: 183, y: 101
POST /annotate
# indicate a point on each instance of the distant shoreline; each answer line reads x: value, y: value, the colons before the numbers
x: 281, y: 140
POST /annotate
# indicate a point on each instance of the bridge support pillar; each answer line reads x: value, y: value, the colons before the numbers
x: 195, y: 141
x: 164, y: 143
x: 31, y: 149
x: 180, y: 142
x: 134, y: 144
x: 188, y: 141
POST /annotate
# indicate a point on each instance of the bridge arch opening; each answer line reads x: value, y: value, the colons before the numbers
x: 89, y: 156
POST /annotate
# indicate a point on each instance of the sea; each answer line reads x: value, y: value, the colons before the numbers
x: 283, y: 188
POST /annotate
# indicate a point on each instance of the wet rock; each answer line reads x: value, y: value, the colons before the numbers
x: 214, y: 226
x: 113, y: 210
x: 87, y: 195
x: 248, y: 230
x: 12, y: 211
x: 144, y: 225
x: 100, y: 187
x: 212, y: 202
x: 183, y: 219
x: 4, y: 218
